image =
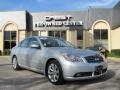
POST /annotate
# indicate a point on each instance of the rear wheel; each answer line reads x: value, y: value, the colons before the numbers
x: 15, y: 63
x: 54, y: 73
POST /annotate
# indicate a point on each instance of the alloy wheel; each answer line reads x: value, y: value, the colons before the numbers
x: 53, y: 72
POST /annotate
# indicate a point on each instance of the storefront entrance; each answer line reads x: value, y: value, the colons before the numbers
x: 9, y: 37
x: 101, y: 34
x: 9, y: 41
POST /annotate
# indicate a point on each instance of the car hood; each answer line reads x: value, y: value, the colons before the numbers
x: 73, y: 51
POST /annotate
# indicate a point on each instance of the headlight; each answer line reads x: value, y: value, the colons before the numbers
x: 105, y: 60
x: 73, y: 58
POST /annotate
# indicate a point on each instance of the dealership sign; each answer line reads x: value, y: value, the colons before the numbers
x: 55, y: 21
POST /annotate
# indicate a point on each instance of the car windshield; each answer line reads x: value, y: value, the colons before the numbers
x: 54, y: 42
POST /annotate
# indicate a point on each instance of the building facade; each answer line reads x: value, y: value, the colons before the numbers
x: 81, y: 28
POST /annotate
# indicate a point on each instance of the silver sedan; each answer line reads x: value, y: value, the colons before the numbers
x: 57, y: 59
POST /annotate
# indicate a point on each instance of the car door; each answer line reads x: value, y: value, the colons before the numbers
x: 34, y: 55
x: 23, y: 52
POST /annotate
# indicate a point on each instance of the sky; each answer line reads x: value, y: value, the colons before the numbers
x: 53, y: 5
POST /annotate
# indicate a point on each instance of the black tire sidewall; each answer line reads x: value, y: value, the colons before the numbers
x: 17, y: 66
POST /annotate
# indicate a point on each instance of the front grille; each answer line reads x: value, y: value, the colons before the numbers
x: 89, y: 74
x: 94, y: 59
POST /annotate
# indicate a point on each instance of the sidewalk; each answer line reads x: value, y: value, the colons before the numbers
x: 4, y: 57
x: 5, y: 60
x: 113, y: 58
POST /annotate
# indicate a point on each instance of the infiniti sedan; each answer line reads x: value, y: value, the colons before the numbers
x: 57, y: 59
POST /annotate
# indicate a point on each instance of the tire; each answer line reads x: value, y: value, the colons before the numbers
x: 15, y: 64
x: 54, y: 73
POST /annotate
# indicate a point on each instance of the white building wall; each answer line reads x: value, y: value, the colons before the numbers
x: 115, y: 38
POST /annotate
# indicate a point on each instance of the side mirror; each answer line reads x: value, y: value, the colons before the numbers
x: 37, y: 46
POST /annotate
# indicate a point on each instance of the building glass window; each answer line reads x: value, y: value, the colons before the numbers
x: 96, y: 34
x: 104, y: 34
x: 101, y: 37
x: 80, y: 38
x: 13, y: 35
x: 9, y: 41
x: 80, y: 35
x: 63, y: 34
x: 7, y: 35
x: 100, y: 34
x: 35, y: 33
x: 51, y: 33
x: 13, y: 43
x: 59, y: 34
x: 6, y: 44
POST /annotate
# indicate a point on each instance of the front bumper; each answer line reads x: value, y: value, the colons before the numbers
x: 77, y: 71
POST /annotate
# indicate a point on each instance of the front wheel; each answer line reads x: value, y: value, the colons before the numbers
x: 54, y: 73
x: 15, y: 64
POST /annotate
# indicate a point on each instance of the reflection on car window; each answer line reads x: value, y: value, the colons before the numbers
x: 54, y: 42
x: 33, y: 41
x: 24, y: 43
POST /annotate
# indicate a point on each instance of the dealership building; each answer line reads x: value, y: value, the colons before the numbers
x: 82, y: 28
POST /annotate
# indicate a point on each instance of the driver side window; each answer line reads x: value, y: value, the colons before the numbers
x: 33, y: 41
x: 24, y: 43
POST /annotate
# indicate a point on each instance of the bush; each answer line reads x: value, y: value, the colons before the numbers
x: 115, y: 53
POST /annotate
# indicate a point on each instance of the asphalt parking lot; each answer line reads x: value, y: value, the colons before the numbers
x: 28, y: 80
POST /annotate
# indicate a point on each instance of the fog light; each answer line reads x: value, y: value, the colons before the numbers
x: 83, y: 74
